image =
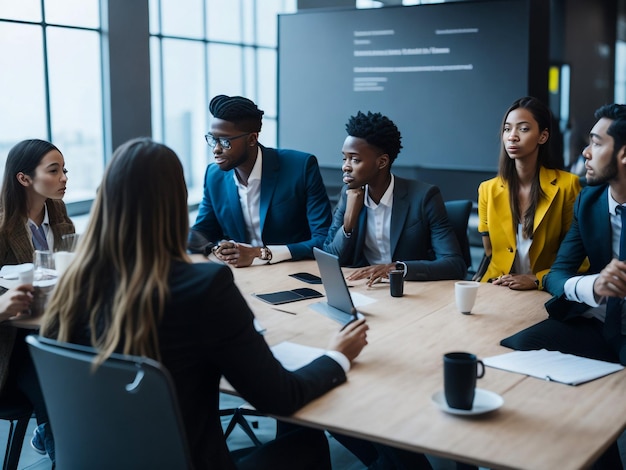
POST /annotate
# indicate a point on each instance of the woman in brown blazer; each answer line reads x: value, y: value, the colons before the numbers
x: 32, y: 216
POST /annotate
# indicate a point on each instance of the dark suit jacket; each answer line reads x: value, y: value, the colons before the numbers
x: 588, y: 236
x: 207, y: 331
x: 17, y: 247
x: 421, y: 235
x: 294, y: 206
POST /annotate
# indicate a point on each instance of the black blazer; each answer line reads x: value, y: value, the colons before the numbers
x: 421, y: 235
x: 588, y: 236
x: 207, y: 332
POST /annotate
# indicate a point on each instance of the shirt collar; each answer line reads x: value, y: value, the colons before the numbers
x: 386, y: 200
x: 257, y: 169
x: 612, y: 204
x: 46, y: 219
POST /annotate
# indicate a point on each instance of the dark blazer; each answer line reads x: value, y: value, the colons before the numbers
x: 421, y: 235
x: 17, y: 247
x: 294, y: 207
x: 588, y: 236
x: 207, y: 332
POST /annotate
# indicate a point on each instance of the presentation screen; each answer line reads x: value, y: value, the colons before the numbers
x: 444, y: 73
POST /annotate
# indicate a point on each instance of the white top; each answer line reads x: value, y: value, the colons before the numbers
x: 521, y: 264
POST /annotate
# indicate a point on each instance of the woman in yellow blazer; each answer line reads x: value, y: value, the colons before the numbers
x: 525, y: 211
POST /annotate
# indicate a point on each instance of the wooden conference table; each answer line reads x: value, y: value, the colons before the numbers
x: 387, y: 398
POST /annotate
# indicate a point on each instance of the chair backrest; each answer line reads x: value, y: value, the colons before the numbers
x: 122, y: 415
x: 458, y: 215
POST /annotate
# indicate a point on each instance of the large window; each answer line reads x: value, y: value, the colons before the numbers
x: 51, y: 84
x: 202, y: 49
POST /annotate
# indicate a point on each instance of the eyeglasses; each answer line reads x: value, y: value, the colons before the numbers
x: 223, y: 141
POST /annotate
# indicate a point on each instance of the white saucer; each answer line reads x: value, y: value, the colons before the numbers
x: 484, y: 402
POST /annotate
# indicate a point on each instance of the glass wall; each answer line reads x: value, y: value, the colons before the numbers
x: 51, y: 84
x: 202, y: 49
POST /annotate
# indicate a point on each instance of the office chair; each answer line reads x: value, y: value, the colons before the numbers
x: 18, y: 411
x: 458, y: 215
x: 122, y: 415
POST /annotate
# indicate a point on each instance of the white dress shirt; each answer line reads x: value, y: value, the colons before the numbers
x: 46, y: 228
x: 250, y: 200
x: 377, y: 249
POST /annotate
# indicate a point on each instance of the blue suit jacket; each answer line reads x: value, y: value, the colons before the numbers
x: 421, y: 235
x: 588, y: 236
x: 294, y: 206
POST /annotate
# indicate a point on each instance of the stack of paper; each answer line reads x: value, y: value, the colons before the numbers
x: 553, y: 365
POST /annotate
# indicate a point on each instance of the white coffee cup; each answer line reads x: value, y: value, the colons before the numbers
x: 465, y: 293
x: 62, y: 260
x: 26, y: 275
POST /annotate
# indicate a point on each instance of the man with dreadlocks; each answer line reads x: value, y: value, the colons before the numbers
x: 383, y: 221
x: 260, y: 205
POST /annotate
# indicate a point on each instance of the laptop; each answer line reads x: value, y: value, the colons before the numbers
x: 338, y: 305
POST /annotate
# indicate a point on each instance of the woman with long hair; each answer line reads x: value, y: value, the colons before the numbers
x: 135, y: 291
x: 32, y: 217
x: 525, y: 211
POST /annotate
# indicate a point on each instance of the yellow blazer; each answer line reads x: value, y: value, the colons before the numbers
x: 553, y: 217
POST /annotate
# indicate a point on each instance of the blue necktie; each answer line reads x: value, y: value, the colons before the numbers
x: 613, y: 320
x: 39, y: 238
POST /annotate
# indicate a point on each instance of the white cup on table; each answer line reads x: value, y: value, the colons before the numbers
x: 465, y: 294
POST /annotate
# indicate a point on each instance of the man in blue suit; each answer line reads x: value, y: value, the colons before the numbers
x: 260, y: 205
x: 383, y: 220
x: 586, y: 313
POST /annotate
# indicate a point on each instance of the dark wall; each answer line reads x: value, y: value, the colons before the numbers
x: 129, y: 57
x: 582, y: 34
x: 590, y: 33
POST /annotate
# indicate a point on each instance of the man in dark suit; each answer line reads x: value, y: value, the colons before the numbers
x: 383, y: 220
x: 582, y: 319
x: 260, y: 205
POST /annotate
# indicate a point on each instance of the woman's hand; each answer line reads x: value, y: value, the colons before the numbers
x: 517, y: 281
x: 16, y: 301
x: 351, y: 340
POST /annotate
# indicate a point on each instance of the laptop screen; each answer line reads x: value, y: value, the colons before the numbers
x: 337, y: 293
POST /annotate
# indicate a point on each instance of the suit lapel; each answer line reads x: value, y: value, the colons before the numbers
x: 238, y: 224
x: 505, y: 217
x: 602, y: 223
x: 547, y: 180
x: 269, y: 179
x: 399, y: 211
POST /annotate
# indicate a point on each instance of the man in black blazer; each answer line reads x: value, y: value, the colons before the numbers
x: 577, y: 312
x: 382, y: 219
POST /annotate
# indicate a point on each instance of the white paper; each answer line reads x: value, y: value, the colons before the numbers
x: 293, y: 356
x: 553, y: 365
x: 359, y: 299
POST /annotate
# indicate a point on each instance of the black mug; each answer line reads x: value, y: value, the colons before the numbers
x: 396, y: 282
x: 460, y: 371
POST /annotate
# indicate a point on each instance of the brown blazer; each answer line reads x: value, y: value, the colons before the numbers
x: 17, y: 248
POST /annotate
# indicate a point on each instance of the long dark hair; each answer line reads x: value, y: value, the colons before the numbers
x: 508, y: 172
x: 23, y: 158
